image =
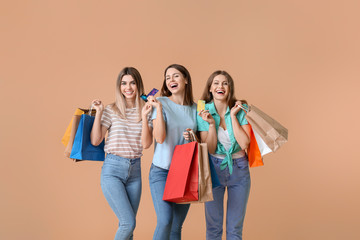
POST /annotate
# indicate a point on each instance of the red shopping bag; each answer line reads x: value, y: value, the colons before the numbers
x: 182, y: 183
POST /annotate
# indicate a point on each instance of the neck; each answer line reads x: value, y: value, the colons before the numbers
x: 178, y: 98
x: 129, y: 103
x: 221, y: 107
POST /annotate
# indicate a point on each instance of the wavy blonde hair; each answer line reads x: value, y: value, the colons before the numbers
x: 119, y: 106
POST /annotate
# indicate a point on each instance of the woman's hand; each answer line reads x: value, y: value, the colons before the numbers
x: 145, y: 111
x: 206, y: 116
x: 237, y: 107
x: 98, y: 105
x: 187, y: 135
x: 153, y: 102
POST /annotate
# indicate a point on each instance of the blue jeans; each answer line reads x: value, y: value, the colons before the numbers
x: 121, y: 185
x: 170, y: 216
x: 238, y: 187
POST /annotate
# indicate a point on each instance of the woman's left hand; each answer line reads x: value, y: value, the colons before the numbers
x: 146, y: 110
x: 237, y: 107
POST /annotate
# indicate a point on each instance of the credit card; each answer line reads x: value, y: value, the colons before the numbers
x: 200, y: 105
x: 151, y: 93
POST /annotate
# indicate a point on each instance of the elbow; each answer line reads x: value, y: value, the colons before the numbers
x: 95, y: 143
x: 146, y: 145
x: 160, y: 140
x: 245, y: 145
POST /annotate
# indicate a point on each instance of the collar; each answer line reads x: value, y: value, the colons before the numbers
x: 212, y: 109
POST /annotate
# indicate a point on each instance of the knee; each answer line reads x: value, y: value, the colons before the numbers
x: 128, y: 227
x: 164, y: 222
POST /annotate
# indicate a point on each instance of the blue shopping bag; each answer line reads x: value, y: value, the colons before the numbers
x: 82, y: 148
x: 214, y: 177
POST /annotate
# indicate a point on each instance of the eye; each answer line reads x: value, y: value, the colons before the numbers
x: 176, y: 75
x: 167, y: 78
x: 123, y: 83
x: 226, y: 83
x: 133, y: 83
x: 216, y: 83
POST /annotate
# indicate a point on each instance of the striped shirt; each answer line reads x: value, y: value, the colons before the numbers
x: 124, y: 135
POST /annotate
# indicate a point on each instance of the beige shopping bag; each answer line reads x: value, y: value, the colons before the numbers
x: 270, y: 131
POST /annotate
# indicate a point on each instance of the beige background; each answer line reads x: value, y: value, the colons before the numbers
x: 297, y: 60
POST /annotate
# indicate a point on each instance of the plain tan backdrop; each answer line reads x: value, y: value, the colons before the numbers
x: 299, y: 61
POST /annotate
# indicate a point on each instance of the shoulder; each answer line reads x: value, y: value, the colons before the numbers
x: 109, y: 108
x: 162, y: 99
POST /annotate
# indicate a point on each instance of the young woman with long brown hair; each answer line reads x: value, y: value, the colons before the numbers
x: 222, y: 125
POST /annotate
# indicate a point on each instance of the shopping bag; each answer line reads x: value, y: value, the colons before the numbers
x: 182, y: 183
x: 82, y: 148
x: 205, y: 176
x: 198, y: 184
x: 67, y: 135
x: 253, y: 151
x: 269, y: 130
x: 264, y: 149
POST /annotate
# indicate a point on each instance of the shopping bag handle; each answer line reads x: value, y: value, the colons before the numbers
x: 193, y: 137
x: 246, y: 109
x: 91, y: 109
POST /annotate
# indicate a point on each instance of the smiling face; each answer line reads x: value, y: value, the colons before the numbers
x: 128, y: 87
x: 220, y: 88
x: 175, y: 81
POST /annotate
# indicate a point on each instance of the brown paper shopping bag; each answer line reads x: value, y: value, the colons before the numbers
x: 270, y: 131
x: 205, y: 183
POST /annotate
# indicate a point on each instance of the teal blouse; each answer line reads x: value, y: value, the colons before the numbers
x: 204, y: 126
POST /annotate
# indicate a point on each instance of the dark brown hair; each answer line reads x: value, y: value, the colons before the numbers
x: 188, y: 96
x: 207, y: 95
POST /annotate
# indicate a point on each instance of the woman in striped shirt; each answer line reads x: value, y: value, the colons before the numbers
x: 124, y: 120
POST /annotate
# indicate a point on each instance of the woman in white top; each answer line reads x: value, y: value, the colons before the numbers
x: 124, y: 120
x: 222, y: 125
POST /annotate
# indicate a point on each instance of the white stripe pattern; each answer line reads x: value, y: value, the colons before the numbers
x: 124, y: 138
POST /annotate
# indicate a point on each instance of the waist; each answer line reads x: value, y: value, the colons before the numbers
x: 131, y: 161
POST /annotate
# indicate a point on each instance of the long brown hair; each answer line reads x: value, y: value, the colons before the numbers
x: 231, y: 99
x: 188, y: 96
x: 119, y: 106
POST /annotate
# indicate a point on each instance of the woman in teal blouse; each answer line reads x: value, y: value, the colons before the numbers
x: 222, y: 125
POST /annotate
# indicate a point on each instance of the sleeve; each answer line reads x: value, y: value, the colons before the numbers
x: 241, y: 116
x: 202, y: 125
x: 106, y: 117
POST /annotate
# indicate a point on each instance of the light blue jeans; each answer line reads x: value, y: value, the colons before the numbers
x: 121, y: 185
x: 170, y: 216
x: 238, y: 188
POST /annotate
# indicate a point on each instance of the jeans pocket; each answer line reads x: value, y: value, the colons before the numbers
x: 242, y: 164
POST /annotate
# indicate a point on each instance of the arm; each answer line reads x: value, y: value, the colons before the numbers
x: 241, y: 133
x: 98, y: 131
x: 146, y: 132
x: 158, y: 123
x: 209, y: 137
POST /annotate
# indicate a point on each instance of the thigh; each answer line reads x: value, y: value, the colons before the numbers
x: 134, y: 185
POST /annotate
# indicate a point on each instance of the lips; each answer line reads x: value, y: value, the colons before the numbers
x: 173, y: 85
x: 129, y: 92
x: 221, y: 92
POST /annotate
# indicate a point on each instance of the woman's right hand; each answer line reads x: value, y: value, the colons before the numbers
x: 153, y: 102
x: 98, y: 105
x: 206, y: 116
